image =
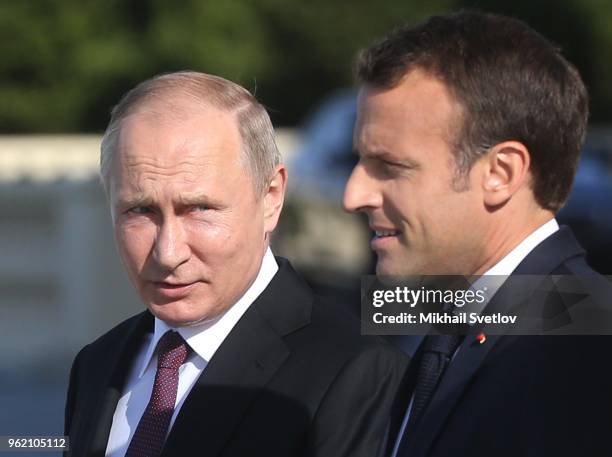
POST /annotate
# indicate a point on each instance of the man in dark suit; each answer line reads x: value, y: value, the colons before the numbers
x: 469, y: 130
x: 235, y: 355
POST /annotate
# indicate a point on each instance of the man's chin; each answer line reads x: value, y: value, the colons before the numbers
x: 175, y: 314
x: 386, y: 266
x: 394, y: 267
x: 383, y: 269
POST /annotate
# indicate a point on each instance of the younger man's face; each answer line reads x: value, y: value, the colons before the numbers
x: 404, y: 180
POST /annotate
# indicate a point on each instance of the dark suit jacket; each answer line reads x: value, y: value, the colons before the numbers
x: 293, y: 378
x: 520, y: 396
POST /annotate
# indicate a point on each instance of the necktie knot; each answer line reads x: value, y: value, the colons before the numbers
x: 172, y: 350
x: 445, y: 345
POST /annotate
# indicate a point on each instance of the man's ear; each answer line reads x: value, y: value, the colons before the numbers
x: 274, y: 196
x: 506, y: 170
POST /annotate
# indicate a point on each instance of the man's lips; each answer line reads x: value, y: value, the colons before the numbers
x: 172, y: 290
x: 383, y: 236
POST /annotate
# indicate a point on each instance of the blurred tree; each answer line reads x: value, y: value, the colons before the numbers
x: 315, y: 44
x: 66, y: 62
x: 60, y: 58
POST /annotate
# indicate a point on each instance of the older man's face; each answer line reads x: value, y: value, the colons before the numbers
x: 188, y: 223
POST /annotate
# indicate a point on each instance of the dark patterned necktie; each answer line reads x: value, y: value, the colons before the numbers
x: 150, y: 434
x: 436, y: 355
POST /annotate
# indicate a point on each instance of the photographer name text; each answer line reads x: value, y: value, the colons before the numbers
x: 441, y: 318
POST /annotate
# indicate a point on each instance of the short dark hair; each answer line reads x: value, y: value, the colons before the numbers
x: 511, y: 83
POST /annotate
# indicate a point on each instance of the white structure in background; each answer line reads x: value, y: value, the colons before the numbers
x: 60, y: 280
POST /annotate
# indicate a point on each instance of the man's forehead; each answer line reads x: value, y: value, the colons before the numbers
x: 372, y: 126
x: 177, y: 133
x: 378, y: 110
x: 420, y: 103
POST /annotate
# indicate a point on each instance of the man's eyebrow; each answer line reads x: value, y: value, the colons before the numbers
x: 385, y: 156
x: 193, y: 198
x: 134, y: 200
x: 372, y: 153
x: 382, y: 155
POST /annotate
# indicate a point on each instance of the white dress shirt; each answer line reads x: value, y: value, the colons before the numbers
x: 203, y: 338
x: 500, y: 270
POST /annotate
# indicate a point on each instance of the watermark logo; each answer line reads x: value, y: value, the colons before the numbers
x: 519, y: 305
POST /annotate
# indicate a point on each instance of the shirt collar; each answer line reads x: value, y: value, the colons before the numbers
x: 495, y: 277
x: 512, y: 260
x: 206, y: 337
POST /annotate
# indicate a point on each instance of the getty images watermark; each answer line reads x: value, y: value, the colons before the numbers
x: 518, y: 305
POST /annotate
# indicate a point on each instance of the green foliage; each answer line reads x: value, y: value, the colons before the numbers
x: 66, y: 62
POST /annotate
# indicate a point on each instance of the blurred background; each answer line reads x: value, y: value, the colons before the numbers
x: 65, y: 63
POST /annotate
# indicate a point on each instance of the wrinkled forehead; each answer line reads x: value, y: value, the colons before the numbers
x: 168, y: 151
x: 170, y: 133
x: 168, y: 156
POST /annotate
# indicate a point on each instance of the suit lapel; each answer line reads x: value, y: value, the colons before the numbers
x: 107, y: 386
x: 471, y: 355
x: 229, y: 383
x: 241, y: 367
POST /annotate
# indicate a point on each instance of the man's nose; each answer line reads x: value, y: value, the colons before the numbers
x: 361, y: 191
x: 171, y: 246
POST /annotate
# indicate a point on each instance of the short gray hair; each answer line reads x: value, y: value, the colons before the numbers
x: 256, y: 131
